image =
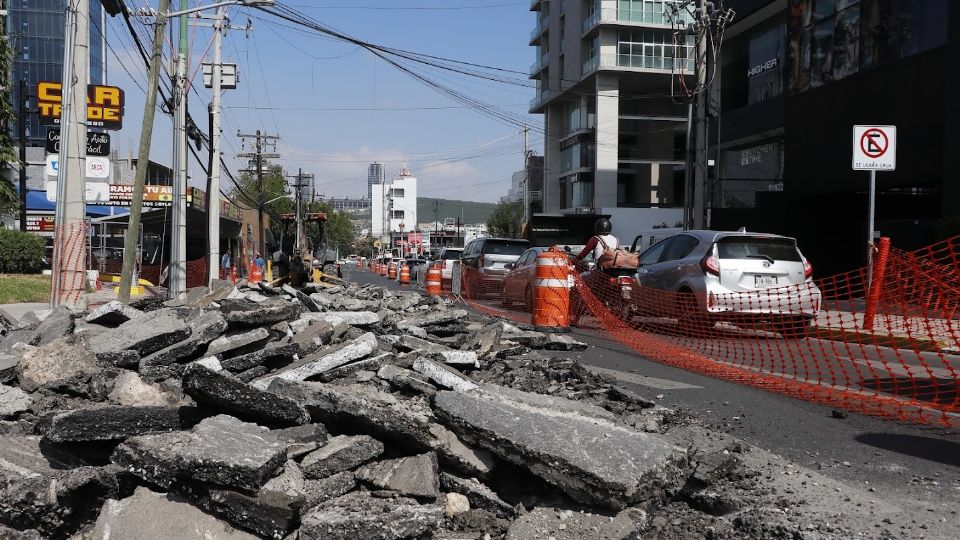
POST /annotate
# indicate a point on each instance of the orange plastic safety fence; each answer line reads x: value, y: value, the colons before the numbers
x: 70, y: 259
x: 777, y: 329
x: 196, y: 270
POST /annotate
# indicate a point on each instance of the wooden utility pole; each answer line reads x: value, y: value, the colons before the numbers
x: 143, y: 156
x: 261, y: 140
x: 24, y: 97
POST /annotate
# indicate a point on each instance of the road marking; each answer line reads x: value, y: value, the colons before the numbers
x: 643, y: 380
x: 905, y: 370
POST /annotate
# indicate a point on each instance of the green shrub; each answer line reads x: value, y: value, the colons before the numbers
x: 20, y: 252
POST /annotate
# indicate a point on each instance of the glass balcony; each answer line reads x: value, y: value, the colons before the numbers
x: 637, y: 16
x: 539, y: 29
x: 614, y: 61
x: 537, y: 66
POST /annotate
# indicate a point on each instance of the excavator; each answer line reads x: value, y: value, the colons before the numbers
x: 300, y: 256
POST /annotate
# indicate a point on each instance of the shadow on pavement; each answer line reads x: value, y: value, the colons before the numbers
x: 942, y: 392
x: 928, y: 448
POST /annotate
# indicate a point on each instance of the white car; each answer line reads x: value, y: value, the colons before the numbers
x: 447, y: 256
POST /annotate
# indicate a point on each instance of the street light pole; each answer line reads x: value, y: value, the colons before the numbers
x: 213, y: 181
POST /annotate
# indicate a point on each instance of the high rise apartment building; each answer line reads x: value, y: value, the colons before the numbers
x: 374, y: 176
x: 607, y: 72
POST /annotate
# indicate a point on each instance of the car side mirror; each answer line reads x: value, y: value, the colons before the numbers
x: 510, y: 266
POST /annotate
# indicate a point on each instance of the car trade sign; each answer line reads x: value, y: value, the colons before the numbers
x: 874, y: 148
x: 104, y: 105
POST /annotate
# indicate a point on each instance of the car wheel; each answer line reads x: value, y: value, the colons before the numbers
x: 690, y: 315
x: 795, y: 327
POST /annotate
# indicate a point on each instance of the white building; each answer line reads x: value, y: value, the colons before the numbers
x: 393, y: 208
x: 517, y: 187
x: 614, y: 141
x: 472, y: 232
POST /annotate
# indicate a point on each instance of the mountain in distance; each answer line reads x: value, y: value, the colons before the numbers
x: 473, y: 212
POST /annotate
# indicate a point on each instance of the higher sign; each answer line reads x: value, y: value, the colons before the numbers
x: 874, y: 148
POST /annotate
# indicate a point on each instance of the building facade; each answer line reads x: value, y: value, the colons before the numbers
x: 375, y: 176
x: 615, y: 133
x: 795, y: 77
x: 393, y: 208
x: 35, y: 29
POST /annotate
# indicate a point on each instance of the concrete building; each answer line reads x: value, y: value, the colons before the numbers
x: 795, y: 77
x: 393, y: 208
x: 615, y: 139
x: 375, y: 175
x: 347, y: 204
x: 517, y: 187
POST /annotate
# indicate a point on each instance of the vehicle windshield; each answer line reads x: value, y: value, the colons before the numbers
x: 771, y: 249
x: 505, y: 247
x: 452, y: 254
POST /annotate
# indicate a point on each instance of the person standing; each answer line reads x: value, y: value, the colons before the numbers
x: 225, y: 264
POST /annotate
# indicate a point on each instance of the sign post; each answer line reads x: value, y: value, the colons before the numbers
x: 874, y: 149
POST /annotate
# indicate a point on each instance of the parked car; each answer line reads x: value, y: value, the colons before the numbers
x: 747, y: 279
x: 483, y: 264
x: 518, y: 282
x: 446, y: 258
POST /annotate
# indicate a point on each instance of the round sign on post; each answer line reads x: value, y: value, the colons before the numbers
x: 874, y: 148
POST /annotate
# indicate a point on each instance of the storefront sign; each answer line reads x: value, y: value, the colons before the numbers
x: 104, y: 105
x: 153, y: 196
x: 98, y: 144
x: 762, y: 67
x: 40, y: 224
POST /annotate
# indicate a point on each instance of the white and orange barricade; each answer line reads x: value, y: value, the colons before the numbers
x: 434, y: 278
x: 404, y: 275
x: 551, y: 292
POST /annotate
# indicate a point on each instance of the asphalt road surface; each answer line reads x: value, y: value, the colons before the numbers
x: 900, y: 461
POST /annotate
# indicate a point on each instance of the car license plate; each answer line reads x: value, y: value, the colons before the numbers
x: 765, y: 281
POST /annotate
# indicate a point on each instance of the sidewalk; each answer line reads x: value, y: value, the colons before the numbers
x: 19, y: 310
x: 926, y: 334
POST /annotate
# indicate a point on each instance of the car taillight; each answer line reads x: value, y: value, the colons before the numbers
x: 807, y: 268
x: 480, y: 260
x: 710, y: 264
x: 625, y: 280
x: 444, y: 264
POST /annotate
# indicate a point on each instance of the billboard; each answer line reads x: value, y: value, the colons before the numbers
x: 104, y: 105
x: 153, y: 196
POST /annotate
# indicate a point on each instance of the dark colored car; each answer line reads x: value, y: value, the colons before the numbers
x: 484, y: 264
x: 518, y: 283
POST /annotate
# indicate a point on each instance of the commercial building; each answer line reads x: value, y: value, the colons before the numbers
x: 35, y: 30
x: 608, y: 76
x: 375, y: 175
x: 393, y: 209
x: 795, y: 77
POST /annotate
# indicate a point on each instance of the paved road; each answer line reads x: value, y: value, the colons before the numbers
x: 901, y: 461
x: 19, y: 310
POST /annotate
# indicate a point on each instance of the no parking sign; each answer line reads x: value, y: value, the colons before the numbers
x: 874, y: 148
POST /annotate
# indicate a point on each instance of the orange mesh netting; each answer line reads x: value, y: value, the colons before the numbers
x: 807, y: 341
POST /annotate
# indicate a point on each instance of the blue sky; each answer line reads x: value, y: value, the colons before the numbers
x: 287, y: 74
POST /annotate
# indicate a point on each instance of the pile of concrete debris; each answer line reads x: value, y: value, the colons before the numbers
x: 349, y: 412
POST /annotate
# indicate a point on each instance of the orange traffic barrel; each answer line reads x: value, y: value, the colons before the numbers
x: 383, y: 270
x: 392, y: 271
x: 233, y: 274
x: 404, y: 275
x: 551, y: 292
x: 433, y: 280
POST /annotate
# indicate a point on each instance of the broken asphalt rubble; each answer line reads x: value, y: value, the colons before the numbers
x: 347, y: 412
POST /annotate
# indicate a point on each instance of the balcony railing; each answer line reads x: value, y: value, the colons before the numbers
x: 634, y: 16
x: 613, y: 61
x: 539, y: 29
x: 539, y: 64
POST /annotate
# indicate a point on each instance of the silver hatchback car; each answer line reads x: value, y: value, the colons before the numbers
x: 747, y: 279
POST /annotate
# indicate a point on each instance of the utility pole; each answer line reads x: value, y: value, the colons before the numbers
x: 24, y: 98
x: 143, y: 156
x: 177, y: 279
x: 261, y: 140
x: 70, y: 237
x: 700, y: 137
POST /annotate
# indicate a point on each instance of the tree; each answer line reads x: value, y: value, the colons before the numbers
x: 506, y: 220
x: 8, y: 122
x: 275, y: 189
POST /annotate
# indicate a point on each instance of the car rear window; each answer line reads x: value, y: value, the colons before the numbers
x: 505, y: 247
x: 452, y: 254
x: 778, y: 249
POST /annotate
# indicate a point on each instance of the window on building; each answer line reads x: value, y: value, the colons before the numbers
x: 563, y: 32
x: 397, y: 214
x: 397, y: 193
x: 765, y: 61
x: 653, y: 49
x: 561, y: 71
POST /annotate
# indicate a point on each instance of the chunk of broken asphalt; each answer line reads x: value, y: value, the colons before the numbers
x: 593, y: 460
x: 145, y: 334
x: 239, y: 341
x: 409, y: 476
x: 112, y: 313
x: 219, y: 450
x: 324, y: 360
x: 359, y: 515
x: 340, y: 454
x: 114, y: 422
x: 225, y: 394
